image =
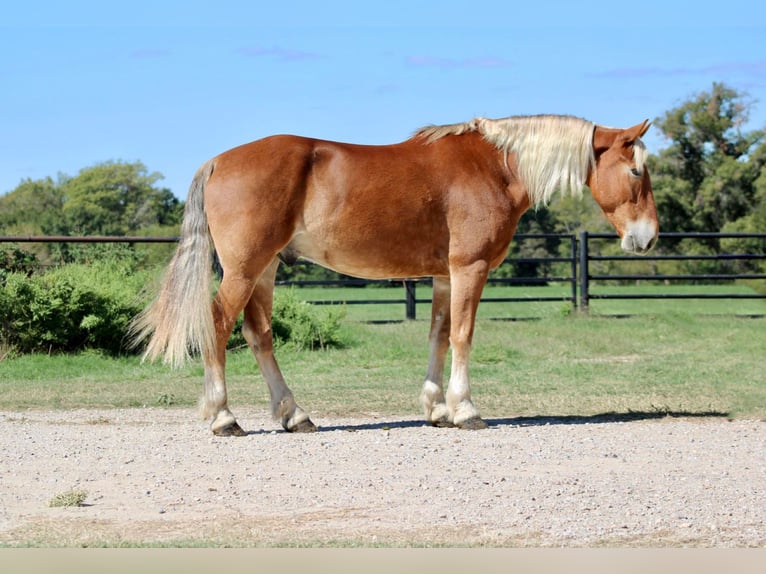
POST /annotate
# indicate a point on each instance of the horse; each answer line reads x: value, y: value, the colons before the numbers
x: 444, y: 204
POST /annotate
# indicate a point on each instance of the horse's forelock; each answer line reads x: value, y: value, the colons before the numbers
x: 639, y: 154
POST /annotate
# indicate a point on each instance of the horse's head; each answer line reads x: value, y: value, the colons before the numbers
x: 619, y: 182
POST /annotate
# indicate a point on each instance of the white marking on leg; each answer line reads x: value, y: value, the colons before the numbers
x: 224, y: 418
x: 467, y: 283
x: 434, y: 406
x: 213, y: 403
x: 459, y: 391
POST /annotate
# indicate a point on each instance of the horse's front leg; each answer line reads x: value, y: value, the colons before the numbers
x: 432, y: 395
x: 467, y: 285
x: 258, y: 334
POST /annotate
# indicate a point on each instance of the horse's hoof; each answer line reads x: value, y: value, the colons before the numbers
x: 303, y: 426
x: 474, y: 423
x: 443, y: 423
x: 230, y: 430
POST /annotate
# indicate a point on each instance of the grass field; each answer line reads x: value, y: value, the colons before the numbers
x: 658, y: 361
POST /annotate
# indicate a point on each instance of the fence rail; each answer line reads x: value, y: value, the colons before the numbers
x: 84, y: 239
x: 586, y: 277
x: 574, y: 264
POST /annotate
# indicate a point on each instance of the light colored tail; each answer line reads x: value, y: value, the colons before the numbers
x: 180, y: 321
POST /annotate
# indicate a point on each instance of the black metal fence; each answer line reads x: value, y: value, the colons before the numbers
x: 578, y: 264
x: 587, y: 276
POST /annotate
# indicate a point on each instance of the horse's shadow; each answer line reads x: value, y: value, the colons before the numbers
x: 524, y: 421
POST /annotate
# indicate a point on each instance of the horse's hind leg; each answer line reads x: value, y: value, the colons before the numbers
x: 257, y: 332
x: 432, y: 396
x: 229, y: 301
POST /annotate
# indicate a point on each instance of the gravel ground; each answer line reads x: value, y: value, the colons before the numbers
x: 157, y: 476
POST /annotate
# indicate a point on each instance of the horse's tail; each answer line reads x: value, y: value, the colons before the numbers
x: 180, y: 321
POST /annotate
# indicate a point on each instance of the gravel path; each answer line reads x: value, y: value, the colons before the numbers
x: 159, y: 476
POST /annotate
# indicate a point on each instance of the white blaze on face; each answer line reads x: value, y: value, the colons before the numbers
x: 640, y: 236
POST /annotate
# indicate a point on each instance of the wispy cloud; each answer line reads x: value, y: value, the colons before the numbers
x: 748, y: 68
x: 278, y: 53
x: 451, y: 63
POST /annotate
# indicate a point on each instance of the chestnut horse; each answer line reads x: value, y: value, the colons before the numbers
x: 444, y: 203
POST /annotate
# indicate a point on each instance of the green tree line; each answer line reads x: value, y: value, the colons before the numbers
x: 110, y: 198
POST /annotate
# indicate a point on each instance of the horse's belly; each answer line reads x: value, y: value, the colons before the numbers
x: 382, y: 258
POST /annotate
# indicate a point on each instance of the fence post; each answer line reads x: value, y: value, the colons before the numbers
x: 573, y: 262
x: 584, y: 272
x: 409, y: 298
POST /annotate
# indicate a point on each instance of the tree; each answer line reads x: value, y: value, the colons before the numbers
x: 112, y: 198
x: 33, y: 208
x: 539, y: 220
x: 706, y: 178
x: 576, y: 214
x: 115, y: 198
x: 754, y: 222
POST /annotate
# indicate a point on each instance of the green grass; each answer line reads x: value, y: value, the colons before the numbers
x: 697, y: 306
x: 555, y: 366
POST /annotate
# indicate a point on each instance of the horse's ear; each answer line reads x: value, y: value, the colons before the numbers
x: 632, y: 134
x: 604, y: 138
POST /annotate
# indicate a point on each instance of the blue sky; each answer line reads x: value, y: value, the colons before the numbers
x: 171, y: 84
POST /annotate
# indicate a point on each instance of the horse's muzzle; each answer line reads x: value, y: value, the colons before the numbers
x: 640, y: 237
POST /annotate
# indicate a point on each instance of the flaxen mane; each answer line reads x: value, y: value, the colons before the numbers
x: 553, y: 152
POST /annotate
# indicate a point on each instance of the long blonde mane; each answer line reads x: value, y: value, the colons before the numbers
x: 552, y: 152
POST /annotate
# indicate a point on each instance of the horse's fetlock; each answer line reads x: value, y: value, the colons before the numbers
x: 465, y: 411
x: 284, y: 408
x: 223, y: 420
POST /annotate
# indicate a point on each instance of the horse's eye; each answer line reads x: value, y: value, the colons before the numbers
x: 634, y: 172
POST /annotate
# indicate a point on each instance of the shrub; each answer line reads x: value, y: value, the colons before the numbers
x: 304, y: 325
x: 70, y: 308
x: 15, y: 260
x: 299, y: 324
x: 90, y: 306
